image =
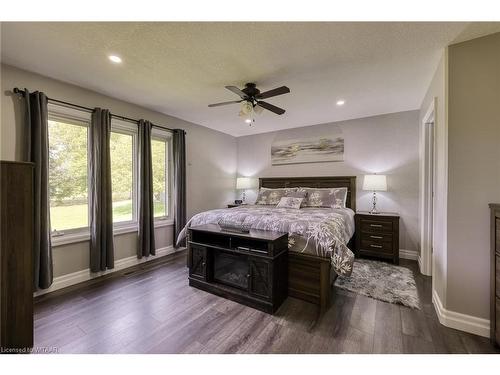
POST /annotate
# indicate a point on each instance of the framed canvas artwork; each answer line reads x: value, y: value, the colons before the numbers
x: 308, y: 150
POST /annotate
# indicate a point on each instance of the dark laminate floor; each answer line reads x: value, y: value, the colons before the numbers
x: 157, y: 312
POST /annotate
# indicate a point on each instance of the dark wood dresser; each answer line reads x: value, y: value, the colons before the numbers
x: 249, y: 268
x: 377, y: 235
x: 16, y: 252
x: 495, y: 274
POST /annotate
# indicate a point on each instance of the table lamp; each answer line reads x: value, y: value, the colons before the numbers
x: 374, y: 183
x: 244, y: 183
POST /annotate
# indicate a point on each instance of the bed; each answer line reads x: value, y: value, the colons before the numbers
x: 310, y: 277
x: 319, y: 238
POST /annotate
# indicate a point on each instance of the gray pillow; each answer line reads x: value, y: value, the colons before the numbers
x: 325, y: 197
x: 297, y: 194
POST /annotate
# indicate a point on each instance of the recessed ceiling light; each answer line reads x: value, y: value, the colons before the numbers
x: 248, y: 121
x: 115, y: 59
x: 340, y: 102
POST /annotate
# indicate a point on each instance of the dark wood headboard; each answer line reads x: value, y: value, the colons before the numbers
x: 315, y: 182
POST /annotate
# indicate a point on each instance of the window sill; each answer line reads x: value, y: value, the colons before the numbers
x: 67, y: 239
x: 163, y: 223
x: 125, y: 228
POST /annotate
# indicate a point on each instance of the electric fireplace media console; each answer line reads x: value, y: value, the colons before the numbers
x: 249, y: 268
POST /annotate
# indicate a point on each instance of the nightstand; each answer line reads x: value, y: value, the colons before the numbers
x: 377, y: 235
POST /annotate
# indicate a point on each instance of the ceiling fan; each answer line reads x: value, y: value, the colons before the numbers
x: 251, y: 98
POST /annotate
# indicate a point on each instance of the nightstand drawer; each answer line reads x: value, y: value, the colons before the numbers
x: 376, y: 237
x: 497, y: 322
x: 376, y: 226
x: 377, y: 245
x: 497, y: 275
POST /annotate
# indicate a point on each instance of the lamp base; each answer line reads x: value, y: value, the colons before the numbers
x: 374, y: 210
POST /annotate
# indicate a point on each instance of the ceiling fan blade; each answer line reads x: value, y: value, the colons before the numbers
x: 224, y: 103
x: 270, y: 107
x: 274, y: 92
x: 237, y: 91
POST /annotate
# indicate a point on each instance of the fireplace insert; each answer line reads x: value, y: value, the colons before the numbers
x: 231, y: 269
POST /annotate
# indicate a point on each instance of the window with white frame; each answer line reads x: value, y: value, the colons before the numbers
x: 68, y: 169
x: 69, y: 157
x: 161, y: 159
x: 123, y: 149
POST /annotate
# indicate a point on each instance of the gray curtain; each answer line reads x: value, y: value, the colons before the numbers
x: 101, y: 204
x: 179, y: 154
x: 146, y: 213
x: 37, y: 150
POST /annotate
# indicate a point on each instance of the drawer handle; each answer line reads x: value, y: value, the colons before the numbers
x: 377, y: 237
x: 377, y: 246
x: 203, y: 264
x: 376, y: 225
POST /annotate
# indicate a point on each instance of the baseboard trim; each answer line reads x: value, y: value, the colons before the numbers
x: 408, y: 254
x: 462, y: 322
x: 77, y: 277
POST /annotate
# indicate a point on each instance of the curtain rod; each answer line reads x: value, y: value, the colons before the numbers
x: 17, y: 90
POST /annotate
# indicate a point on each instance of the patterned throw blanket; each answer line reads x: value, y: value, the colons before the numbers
x: 323, y: 232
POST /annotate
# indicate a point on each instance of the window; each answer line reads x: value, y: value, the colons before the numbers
x: 68, y: 169
x: 123, y: 143
x: 69, y: 157
x: 160, y: 154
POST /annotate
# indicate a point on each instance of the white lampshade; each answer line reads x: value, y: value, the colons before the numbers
x: 375, y: 182
x: 246, y: 183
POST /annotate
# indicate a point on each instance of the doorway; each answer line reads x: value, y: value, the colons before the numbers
x: 427, y: 188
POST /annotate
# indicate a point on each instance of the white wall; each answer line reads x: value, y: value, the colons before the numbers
x: 386, y: 144
x: 466, y: 87
x: 437, y: 93
x: 474, y: 170
x: 211, y: 156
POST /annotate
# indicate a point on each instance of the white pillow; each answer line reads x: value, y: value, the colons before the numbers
x: 290, y: 202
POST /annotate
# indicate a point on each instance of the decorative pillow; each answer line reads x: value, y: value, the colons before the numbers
x: 296, y: 194
x: 328, y: 197
x: 271, y: 196
x: 290, y: 202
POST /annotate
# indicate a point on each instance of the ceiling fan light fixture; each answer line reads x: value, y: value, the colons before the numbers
x: 258, y: 109
x: 246, y: 107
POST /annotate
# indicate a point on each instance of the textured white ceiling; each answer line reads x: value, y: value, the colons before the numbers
x: 179, y: 68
